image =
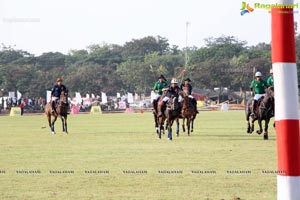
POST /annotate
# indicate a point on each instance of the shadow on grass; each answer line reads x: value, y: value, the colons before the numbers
x: 244, y: 136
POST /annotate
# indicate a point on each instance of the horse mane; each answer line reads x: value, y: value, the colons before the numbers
x: 186, y: 102
x: 269, y: 94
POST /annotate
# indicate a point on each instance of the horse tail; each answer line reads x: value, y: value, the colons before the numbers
x: 247, y: 108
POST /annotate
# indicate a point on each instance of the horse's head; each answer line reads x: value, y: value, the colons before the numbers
x: 270, y: 91
x: 185, y: 102
x: 268, y: 100
x: 173, y: 103
x: 63, y: 97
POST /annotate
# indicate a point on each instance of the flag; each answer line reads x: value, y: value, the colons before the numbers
x: 19, y: 95
x: 130, y: 98
x: 11, y: 95
x: 103, y: 97
x: 136, y: 96
x: 78, y: 98
x: 48, y: 94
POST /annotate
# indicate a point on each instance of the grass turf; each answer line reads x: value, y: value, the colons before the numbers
x: 118, y: 156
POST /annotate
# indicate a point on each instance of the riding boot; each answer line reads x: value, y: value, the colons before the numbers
x: 160, y: 108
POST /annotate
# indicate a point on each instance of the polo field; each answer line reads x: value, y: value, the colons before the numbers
x: 119, y: 156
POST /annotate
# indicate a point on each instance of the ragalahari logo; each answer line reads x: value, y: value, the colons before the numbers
x: 291, y: 8
x: 246, y: 8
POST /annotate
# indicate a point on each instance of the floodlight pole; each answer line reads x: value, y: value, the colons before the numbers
x: 286, y: 102
x: 186, y: 43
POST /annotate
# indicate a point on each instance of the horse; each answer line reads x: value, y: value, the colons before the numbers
x: 155, y: 111
x: 60, y: 111
x: 170, y: 114
x: 264, y: 111
x: 188, y: 112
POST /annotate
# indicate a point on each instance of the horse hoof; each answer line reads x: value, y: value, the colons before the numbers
x: 53, y: 133
x: 258, y: 132
x: 266, y: 137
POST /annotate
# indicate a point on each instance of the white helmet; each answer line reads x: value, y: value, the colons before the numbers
x: 174, y: 80
x: 258, y: 74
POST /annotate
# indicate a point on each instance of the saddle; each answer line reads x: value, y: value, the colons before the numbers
x: 172, y: 104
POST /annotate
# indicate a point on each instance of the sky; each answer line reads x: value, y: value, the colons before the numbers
x: 40, y: 26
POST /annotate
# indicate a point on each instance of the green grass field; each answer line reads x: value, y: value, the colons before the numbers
x: 218, y: 161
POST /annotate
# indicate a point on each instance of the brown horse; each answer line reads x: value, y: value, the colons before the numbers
x: 60, y: 111
x: 188, y: 112
x: 170, y: 114
x: 264, y: 111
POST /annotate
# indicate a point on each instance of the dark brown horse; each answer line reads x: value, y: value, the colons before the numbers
x: 264, y: 111
x: 155, y: 111
x: 189, y: 113
x: 170, y: 114
x: 61, y: 111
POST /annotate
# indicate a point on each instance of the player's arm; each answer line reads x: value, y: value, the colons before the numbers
x: 252, y: 88
x: 155, y: 88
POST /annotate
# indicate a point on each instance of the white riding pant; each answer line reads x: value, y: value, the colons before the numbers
x: 258, y: 96
x: 54, y: 98
x: 156, y: 96
x: 180, y: 99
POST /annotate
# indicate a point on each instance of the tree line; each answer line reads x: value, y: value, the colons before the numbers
x: 134, y: 67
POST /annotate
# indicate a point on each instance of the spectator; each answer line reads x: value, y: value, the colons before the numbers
x: 22, y: 107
